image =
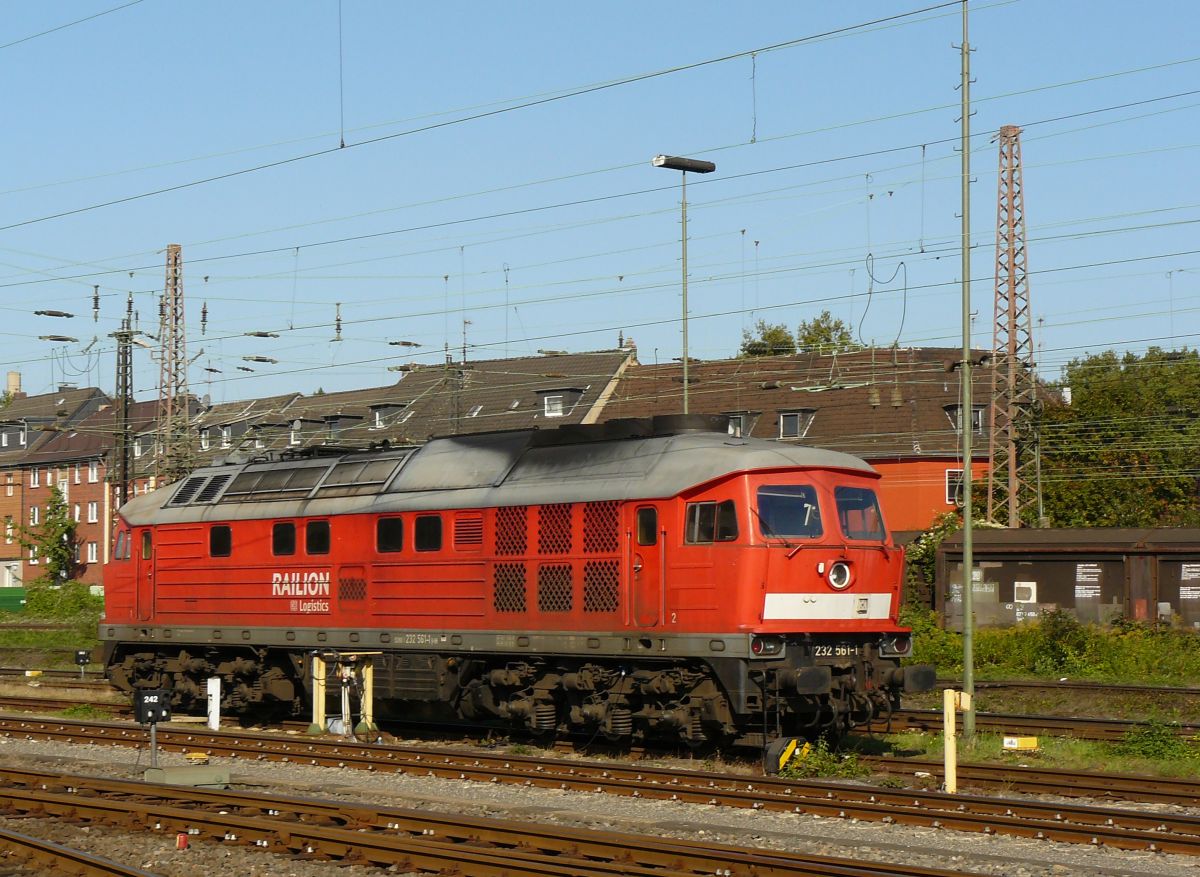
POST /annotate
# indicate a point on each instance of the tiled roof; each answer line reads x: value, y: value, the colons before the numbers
x: 428, y: 401
x: 93, y: 436
x: 874, y: 403
x: 59, y: 409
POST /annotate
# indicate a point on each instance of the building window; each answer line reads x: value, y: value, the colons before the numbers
x: 75, y: 552
x: 35, y: 516
x: 294, y: 433
x: 93, y: 512
x: 8, y: 529
x: 3, y: 439
x: 93, y: 471
x: 78, y: 473
x: 204, y: 439
x: 77, y: 512
x: 92, y: 552
x: 953, y: 414
x: 738, y: 425
x: 22, y: 436
x: 8, y: 483
x: 378, y: 422
x: 137, y: 447
x: 795, y: 424
x: 226, y: 436
x: 554, y: 406
x: 33, y: 555
x: 258, y: 441
x: 35, y: 477
x: 474, y: 412
x: 954, y: 487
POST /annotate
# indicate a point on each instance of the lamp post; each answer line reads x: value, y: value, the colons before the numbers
x: 683, y: 165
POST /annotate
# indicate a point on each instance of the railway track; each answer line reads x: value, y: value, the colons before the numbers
x: 55, y: 858
x: 1049, y: 781
x: 1072, y: 823
x: 402, y: 838
x: 1082, y: 727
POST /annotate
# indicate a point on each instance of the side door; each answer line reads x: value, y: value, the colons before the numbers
x: 646, y: 564
x: 144, y: 559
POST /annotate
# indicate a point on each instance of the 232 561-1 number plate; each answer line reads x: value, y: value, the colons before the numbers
x: 836, y: 650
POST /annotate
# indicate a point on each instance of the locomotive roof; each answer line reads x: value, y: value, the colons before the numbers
x: 522, y: 467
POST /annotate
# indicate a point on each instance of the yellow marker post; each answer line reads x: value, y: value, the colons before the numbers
x: 952, y: 701
x: 318, y: 690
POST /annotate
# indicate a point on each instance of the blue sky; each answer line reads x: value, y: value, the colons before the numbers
x: 545, y: 226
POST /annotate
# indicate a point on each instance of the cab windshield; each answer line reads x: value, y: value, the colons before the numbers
x: 789, y: 511
x: 858, y: 513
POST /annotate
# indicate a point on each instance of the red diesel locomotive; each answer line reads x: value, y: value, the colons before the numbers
x: 633, y: 579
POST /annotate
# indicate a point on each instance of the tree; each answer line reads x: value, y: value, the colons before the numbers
x: 771, y: 340
x: 53, y: 541
x: 1122, y: 446
x: 824, y: 333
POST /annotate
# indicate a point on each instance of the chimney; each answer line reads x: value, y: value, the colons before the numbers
x: 14, y: 385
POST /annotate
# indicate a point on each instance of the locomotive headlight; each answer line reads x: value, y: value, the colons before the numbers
x: 765, y: 645
x: 839, y: 575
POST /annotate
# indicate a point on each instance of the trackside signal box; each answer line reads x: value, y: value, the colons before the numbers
x: 152, y: 705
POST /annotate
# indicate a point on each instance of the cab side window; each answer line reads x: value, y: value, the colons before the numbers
x: 316, y: 537
x: 711, y: 522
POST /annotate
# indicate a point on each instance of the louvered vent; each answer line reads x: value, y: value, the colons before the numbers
x: 187, y: 490
x: 214, y: 487
x: 468, y: 530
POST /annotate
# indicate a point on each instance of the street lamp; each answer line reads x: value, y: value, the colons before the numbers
x: 683, y: 165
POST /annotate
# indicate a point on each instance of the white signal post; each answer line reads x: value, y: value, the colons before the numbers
x: 952, y: 702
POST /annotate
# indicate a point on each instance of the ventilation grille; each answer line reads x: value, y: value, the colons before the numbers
x: 600, y: 581
x: 508, y: 587
x: 510, y: 531
x: 554, y: 587
x: 468, y: 530
x: 600, y: 528
x: 214, y: 487
x: 352, y: 583
x: 554, y: 529
x: 187, y: 490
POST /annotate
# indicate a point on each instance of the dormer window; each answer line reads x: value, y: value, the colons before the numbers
x: 21, y: 436
x: 137, y: 446
x: 560, y: 401
x: 954, y: 415
x: 377, y: 423
x: 740, y: 423
x: 474, y: 412
x: 226, y: 436
x: 294, y: 433
x: 385, y: 412
x: 204, y: 439
x: 795, y: 424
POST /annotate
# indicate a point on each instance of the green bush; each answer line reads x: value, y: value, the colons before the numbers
x: 820, y: 760
x: 70, y: 602
x: 1156, y: 742
x: 1059, y: 645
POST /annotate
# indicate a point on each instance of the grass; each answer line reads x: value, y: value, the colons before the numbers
x: 84, y: 712
x: 1153, y: 750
